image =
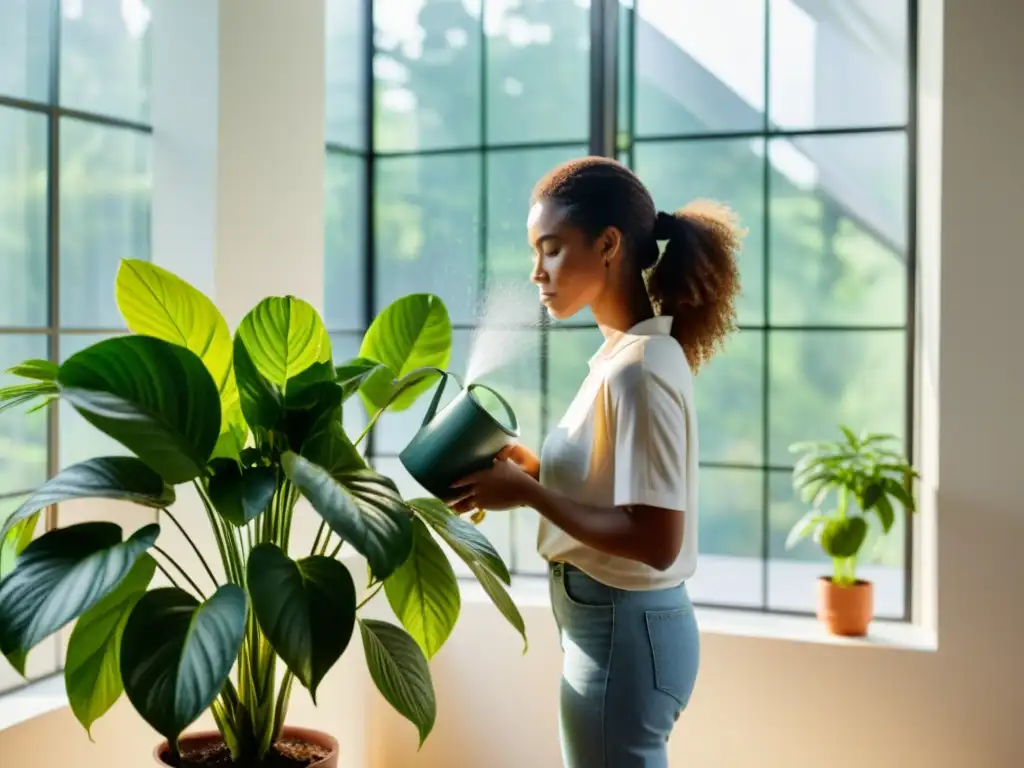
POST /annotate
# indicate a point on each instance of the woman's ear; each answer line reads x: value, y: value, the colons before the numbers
x: 610, y: 244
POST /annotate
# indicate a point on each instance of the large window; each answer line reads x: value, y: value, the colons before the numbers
x: 74, y: 200
x: 443, y: 113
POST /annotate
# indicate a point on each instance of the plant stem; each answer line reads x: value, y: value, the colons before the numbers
x: 180, y: 570
x: 217, y: 533
x: 166, y: 573
x: 180, y: 527
x: 316, y: 542
x: 370, y: 596
x: 337, y: 549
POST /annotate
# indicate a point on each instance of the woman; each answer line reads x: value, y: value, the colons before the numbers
x: 616, y: 482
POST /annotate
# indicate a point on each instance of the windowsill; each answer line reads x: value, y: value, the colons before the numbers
x: 529, y: 591
x: 33, y: 700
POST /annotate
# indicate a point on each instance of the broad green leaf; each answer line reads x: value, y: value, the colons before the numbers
x: 240, y: 495
x: 92, y: 671
x: 400, y: 672
x: 872, y: 493
x: 39, y: 370
x: 306, y: 608
x: 61, y: 575
x: 261, y: 403
x: 496, y: 591
x: 304, y: 389
x: 804, y: 527
x: 424, y: 592
x: 843, y: 537
x: 359, y: 506
x: 12, y: 546
x: 284, y: 337
x: 357, y: 371
x: 123, y: 478
x: 155, y: 302
x: 464, y: 539
x: 176, y: 655
x: 413, y: 332
x: 899, y: 491
x: 154, y: 397
x: 886, y: 515
x: 313, y: 404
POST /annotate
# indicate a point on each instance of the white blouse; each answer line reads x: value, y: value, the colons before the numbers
x: 628, y: 438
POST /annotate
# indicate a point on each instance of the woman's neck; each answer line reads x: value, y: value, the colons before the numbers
x: 619, y: 310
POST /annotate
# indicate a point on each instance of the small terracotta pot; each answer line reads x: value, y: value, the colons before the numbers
x: 299, y: 734
x: 846, y: 611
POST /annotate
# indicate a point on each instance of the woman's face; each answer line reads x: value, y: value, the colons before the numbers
x: 568, y: 269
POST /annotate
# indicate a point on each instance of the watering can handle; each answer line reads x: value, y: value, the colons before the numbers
x: 435, y: 402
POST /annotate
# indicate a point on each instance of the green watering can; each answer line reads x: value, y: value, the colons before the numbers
x: 462, y: 438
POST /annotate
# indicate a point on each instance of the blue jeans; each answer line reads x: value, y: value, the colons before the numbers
x: 629, y: 666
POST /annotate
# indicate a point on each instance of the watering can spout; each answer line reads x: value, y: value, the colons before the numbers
x: 456, y: 440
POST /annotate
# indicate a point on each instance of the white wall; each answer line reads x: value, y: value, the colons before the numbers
x: 774, y: 703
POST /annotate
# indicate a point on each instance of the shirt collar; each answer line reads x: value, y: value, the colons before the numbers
x: 619, y: 340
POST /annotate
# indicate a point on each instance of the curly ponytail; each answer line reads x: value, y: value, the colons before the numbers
x: 696, y: 280
x: 695, y: 277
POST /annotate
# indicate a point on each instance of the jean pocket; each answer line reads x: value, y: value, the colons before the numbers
x: 675, y: 651
x: 584, y: 592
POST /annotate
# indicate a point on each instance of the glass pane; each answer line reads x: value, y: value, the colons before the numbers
x: 699, y: 67
x: 22, y: 434
x: 729, y: 570
x: 509, y: 361
x: 23, y: 264
x: 426, y: 71
x: 511, y: 176
x: 496, y: 525
x: 730, y: 408
x: 569, y: 353
x: 105, y: 57
x: 345, y: 243
x: 80, y: 440
x: 428, y: 230
x: 838, y: 64
x: 104, y: 217
x: 526, y: 559
x: 345, y: 72
x: 731, y: 171
x: 625, y: 75
x: 538, y: 71
x: 792, y: 573
x: 25, y: 45
x: 822, y: 379
x: 345, y: 346
x: 839, y: 230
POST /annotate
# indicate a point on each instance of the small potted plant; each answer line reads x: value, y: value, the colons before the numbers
x: 848, y: 483
x: 252, y: 423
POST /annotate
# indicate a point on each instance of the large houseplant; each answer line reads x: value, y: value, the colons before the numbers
x: 252, y: 423
x: 848, y: 482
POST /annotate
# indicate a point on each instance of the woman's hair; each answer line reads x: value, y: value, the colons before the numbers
x: 695, y: 279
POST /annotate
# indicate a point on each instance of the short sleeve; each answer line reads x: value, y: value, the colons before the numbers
x: 650, y: 440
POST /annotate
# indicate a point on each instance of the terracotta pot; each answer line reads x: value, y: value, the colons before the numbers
x: 301, y: 734
x: 846, y: 610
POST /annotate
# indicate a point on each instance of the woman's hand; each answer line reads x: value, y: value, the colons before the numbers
x: 503, y: 486
x: 524, y: 457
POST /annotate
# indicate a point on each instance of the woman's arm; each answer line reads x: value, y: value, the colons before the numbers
x: 650, y: 535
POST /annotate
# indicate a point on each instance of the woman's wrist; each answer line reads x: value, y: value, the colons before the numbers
x: 533, y: 492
